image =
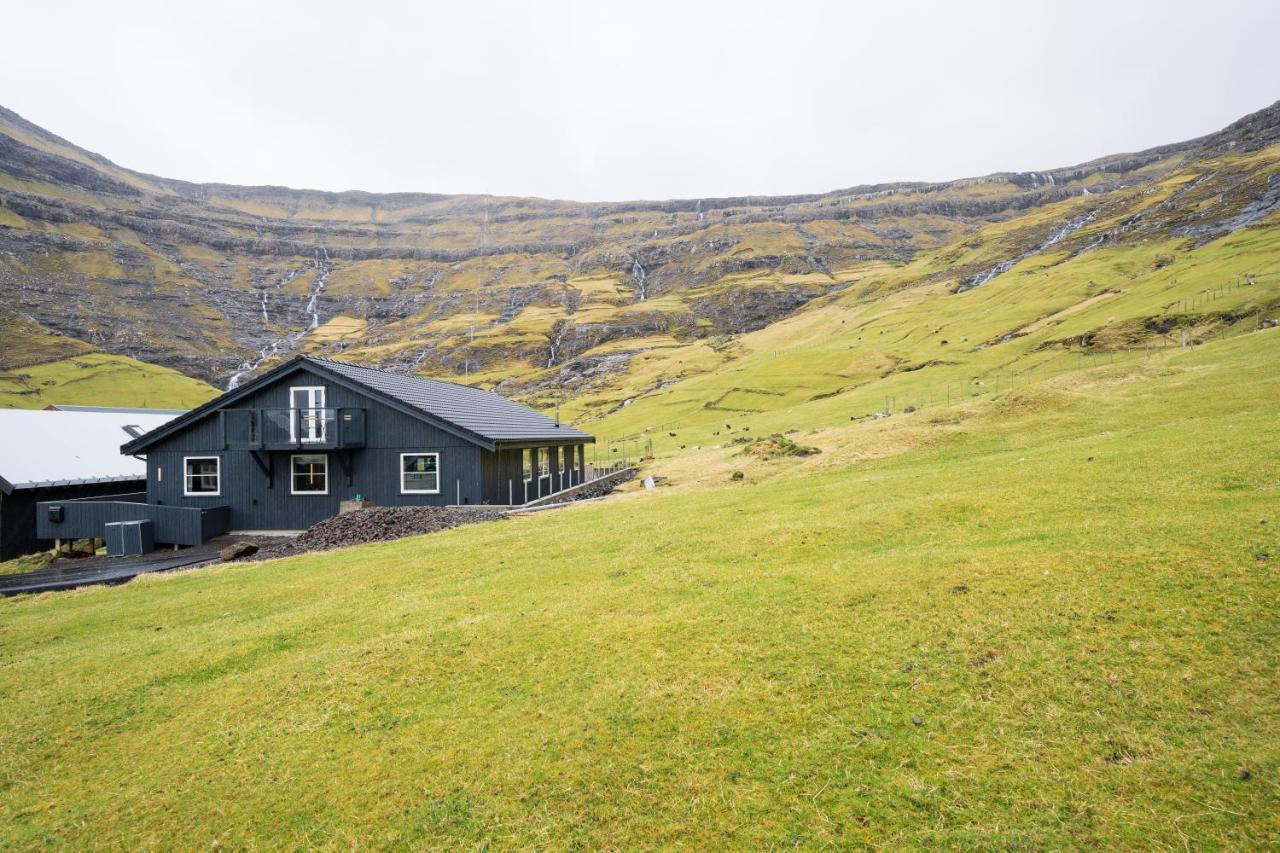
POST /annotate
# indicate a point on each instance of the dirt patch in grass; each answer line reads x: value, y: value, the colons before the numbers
x: 777, y: 446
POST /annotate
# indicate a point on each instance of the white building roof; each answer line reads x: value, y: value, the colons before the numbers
x: 39, y: 448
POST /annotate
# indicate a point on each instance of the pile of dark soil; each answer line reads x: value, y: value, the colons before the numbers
x: 380, y: 524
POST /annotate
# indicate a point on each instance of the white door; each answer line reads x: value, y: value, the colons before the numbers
x: 307, y: 422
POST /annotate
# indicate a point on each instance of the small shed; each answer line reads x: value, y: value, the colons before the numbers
x: 65, y: 455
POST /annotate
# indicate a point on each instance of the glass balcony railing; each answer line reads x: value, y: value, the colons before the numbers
x: 288, y: 429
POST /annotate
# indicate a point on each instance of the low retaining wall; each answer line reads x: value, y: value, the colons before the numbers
x: 608, y: 480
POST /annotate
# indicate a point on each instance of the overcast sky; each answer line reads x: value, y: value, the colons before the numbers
x: 611, y: 100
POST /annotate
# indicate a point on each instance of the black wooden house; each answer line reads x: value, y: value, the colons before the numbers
x: 283, y: 451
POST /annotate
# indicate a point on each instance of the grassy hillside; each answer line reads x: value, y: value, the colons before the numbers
x: 1023, y: 593
x: 901, y: 333
x: 99, y: 379
x: 1044, y: 617
x: 39, y: 366
x: 530, y: 294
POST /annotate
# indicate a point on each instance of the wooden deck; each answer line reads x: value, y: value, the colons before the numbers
x: 90, y: 571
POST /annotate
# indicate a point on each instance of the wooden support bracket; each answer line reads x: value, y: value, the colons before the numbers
x: 264, y: 462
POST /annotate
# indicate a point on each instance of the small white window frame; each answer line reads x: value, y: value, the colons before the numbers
x: 528, y: 455
x: 294, y: 491
x: 186, y: 478
x: 400, y: 473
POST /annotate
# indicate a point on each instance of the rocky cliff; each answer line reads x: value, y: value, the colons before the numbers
x: 521, y: 293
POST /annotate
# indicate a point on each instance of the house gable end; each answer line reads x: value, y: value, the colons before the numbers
x: 295, y: 373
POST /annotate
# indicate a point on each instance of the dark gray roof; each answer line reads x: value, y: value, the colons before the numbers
x: 484, y: 413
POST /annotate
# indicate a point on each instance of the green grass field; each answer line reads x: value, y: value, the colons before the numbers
x: 1043, y: 618
x: 101, y: 379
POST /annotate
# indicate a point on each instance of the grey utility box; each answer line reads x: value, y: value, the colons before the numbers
x: 127, y: 538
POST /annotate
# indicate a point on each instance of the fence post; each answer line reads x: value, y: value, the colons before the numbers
x: 458, y: 499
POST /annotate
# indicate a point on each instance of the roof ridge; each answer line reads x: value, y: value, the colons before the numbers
x: 324, y: 360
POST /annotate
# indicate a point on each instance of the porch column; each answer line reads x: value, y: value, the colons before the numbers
x: 542, y: 481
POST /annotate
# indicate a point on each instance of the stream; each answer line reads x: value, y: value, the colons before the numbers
x: 286, y: 343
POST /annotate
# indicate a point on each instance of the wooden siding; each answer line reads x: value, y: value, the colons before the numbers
x: 174, y: 525
x: 261, y: 502
x: 18, y: 533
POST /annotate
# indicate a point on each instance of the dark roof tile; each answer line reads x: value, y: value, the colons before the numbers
x: 484, y: 413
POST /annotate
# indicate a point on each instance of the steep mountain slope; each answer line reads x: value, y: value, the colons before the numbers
x: 1169, y: 264
x: 535, y: 296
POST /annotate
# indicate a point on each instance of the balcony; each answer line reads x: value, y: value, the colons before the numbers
x: 293, y: 429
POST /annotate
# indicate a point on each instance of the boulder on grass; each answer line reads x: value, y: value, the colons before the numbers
x: 237, y: 551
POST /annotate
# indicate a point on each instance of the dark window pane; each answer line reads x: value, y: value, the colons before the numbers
x: 419, y: 472
x: 202, y: 476
x: 310, y: 473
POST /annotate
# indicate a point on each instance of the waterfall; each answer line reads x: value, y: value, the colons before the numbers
x: 288, y: 342
x: 323, y: 269
x: 701, y: 215
x: 248, y: 367
x: 638, y: 273
x: 1067, y: 229
x: 986, y: 276
x: 556, y: 343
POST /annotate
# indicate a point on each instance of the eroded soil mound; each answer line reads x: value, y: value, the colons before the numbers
x: 379, y: 524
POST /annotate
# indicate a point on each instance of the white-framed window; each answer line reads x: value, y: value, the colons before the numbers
x: 544, y: 462
x: 419, y: 473
x: 526, y: 461
x: 309, y: 474
x: 202, y: 476
x: 307, y: 422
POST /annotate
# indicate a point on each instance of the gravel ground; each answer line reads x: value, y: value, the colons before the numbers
x: 384, y: 523
x: 379, y: 524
